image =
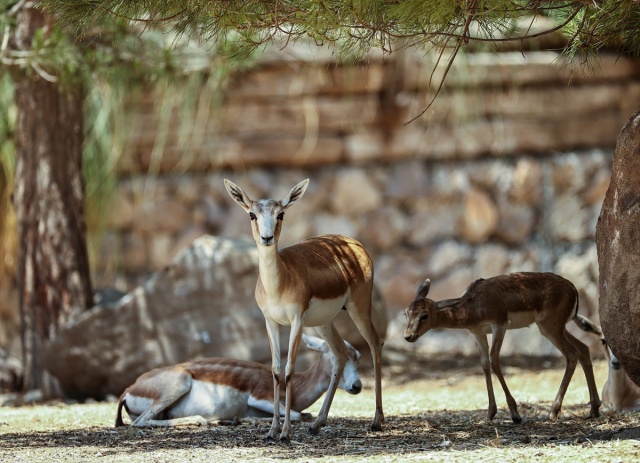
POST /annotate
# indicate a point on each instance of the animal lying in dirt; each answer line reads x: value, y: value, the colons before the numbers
x: 220, y: 389
x: 619, y: 393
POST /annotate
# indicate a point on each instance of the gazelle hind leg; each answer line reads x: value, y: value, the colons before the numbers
x: 195, y: 420
x: 558, y: 337
x: 338, y: 350
x: 175, y: 387
x: 587, y: 367
x: 359, y: 309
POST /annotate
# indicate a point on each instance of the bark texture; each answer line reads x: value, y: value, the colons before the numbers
x: 618, y: 243
x: 53, y: 270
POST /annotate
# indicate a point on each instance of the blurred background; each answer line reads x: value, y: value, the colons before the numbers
x: 505, y: 172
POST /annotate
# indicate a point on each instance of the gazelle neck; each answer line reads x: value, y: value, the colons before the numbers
x: 455, y: 315
x: 269, y: 267
x: 309, y: 385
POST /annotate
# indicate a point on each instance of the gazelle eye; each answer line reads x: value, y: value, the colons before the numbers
x: 424, y: 317
x: 252, y: 216
x: 281, y: 216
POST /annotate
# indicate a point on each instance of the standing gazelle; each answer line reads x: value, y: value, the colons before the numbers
x: 506, y: 302
x: 307, y: 284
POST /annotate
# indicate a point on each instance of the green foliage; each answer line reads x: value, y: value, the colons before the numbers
x: 115, y: 62
x: 356, y: 26
x: 610, y: 24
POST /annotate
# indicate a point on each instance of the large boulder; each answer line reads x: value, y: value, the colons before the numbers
x: 618, y: 243
x: 201, y: 305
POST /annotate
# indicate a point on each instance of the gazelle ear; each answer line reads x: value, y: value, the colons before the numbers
x: 238, y: 195
x: 295, y: 193
x: 314, y: 343
x: 423, y: 290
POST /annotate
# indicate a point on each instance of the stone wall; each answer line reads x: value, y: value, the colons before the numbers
x: 505, y: 172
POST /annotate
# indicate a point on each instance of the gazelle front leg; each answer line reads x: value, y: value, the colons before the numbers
x: 294, y: 344
x: 483, y: 348
x: 273, y: 331
x: 336, y: 344
x: 496, y: 344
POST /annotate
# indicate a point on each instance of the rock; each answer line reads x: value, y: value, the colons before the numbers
x: 406, y: 180
x: 480, y: 217
x: 491, y: 260
x: 33, y: 396
x: 433, y: 218
x: 515, y: 224
x: 383, y: 228
x: 354, y: 193
x: 201, y: 305
x: 618, y: 244
x: 526, y: 187
x: 447, y: 256
x: 11, y: 374
x: 569, y: 174
x: 364, y: 147
x: 569, y: 219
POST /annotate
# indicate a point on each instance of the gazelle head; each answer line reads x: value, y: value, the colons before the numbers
x: 266, y: 214
x: 420, y: 313
x: 614, y: 363
x: 350, y: 380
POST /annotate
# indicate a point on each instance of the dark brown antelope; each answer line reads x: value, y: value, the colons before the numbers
x: 221, y: 389
x: 506, y: 302
x: 307, y: 284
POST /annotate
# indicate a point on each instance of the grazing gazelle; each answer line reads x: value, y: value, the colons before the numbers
x: 619, y: 393
x: 506, y: 302
x: 215, y: 389
x: 307, y: 284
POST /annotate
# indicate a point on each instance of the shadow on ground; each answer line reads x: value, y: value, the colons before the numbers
x: 441, y: 430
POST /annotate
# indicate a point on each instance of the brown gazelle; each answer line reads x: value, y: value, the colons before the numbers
x: 506, y: 302
x: 220, y: 389
x: 307, y: 284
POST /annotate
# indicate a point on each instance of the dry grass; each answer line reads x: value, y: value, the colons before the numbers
x: 432, y: 414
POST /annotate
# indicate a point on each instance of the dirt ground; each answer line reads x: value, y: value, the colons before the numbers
x: 434, y: 411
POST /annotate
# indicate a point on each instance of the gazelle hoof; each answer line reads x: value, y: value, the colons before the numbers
x: 516, y: 419
x: 376, y: 427
x: 313, y: 430
x: 284, y: 440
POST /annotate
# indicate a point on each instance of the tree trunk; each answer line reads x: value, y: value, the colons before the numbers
x: 53, y: 270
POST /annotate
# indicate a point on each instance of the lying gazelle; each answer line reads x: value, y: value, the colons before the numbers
x: 506, y: 302
x: 619, y: 393
x: 219, y: 389
x: 307, y: 284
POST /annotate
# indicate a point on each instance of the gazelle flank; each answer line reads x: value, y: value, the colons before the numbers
x: 506, y: 302
x: 307, y: 284
x: 220, y: 389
